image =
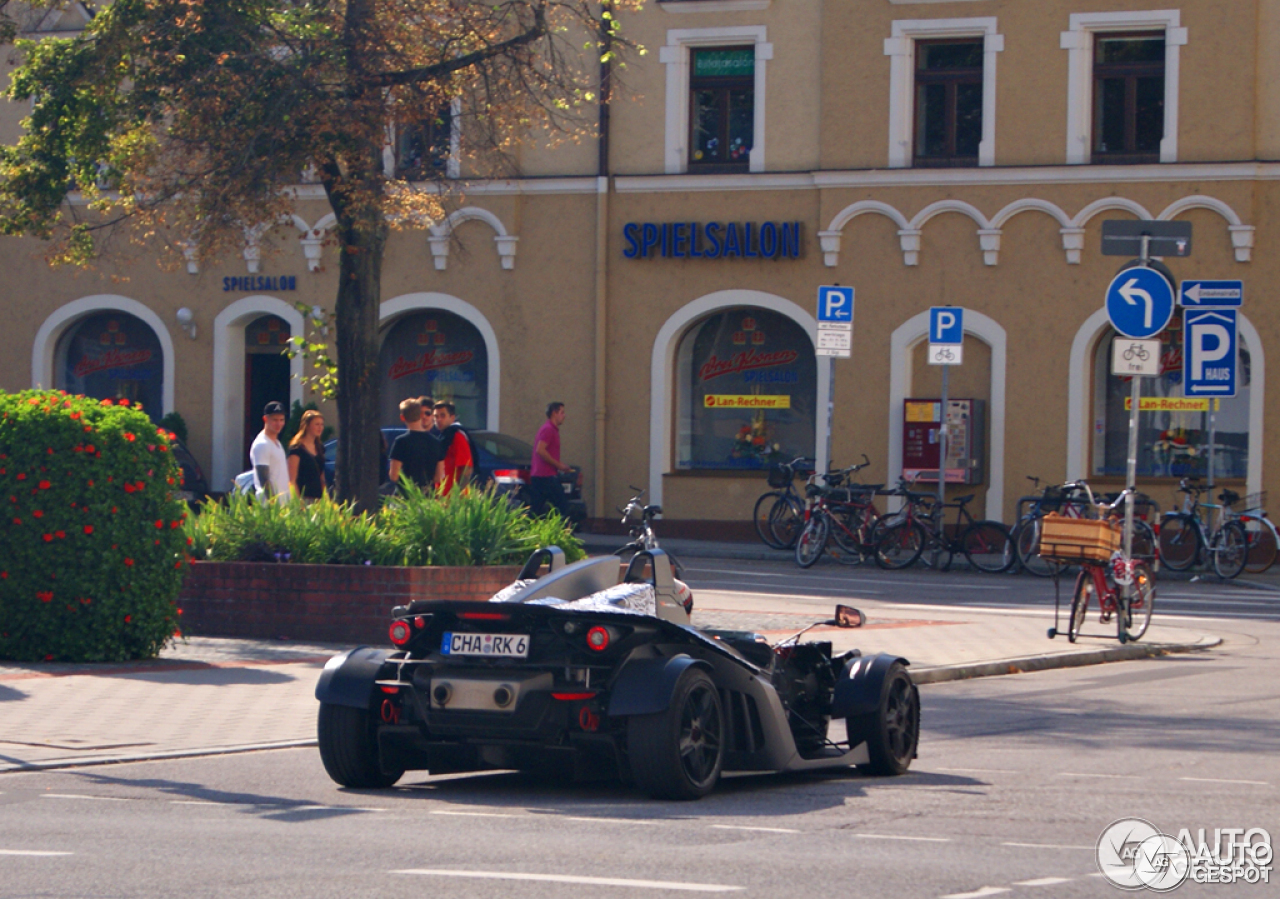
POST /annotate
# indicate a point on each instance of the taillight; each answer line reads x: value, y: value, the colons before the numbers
x: 598, y: 638
x: 400, y: 633
x: 574, y: 697
x: 485, y: 616
x: 508, y: 476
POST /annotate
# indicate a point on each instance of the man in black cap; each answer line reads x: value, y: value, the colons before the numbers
x: 270, y: 464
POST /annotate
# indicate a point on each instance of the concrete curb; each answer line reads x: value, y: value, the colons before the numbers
x: 151, y: 756
x: 1025, y: 664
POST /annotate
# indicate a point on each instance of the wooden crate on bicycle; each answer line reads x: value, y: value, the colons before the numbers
x: 1064, y: 539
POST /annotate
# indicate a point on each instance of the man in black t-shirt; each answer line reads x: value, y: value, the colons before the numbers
x: 415, y: 454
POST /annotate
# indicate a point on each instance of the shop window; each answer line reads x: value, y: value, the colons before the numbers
x: 437, y: 354
x: 423, y: 151
x: 722, y: 108
x: 1128, y: 97
x: 112, y: 355
x: 948, y: 103
x: 747, y: 382
x: 1172, y: 444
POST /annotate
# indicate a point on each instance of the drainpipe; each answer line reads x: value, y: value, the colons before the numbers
x: 602, y: 263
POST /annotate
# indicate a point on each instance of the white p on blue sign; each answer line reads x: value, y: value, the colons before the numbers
x: 946, y: 324
x: 835, y: 304
x: 1209, y: 353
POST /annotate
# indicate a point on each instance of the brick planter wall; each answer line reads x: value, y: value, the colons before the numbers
x: 321, y: 603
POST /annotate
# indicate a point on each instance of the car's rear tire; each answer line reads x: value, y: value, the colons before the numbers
x: 892, y: 731
x: 349, y: 748
x: 678, y: 753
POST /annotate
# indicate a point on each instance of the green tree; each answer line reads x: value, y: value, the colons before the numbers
x: 191, y: 121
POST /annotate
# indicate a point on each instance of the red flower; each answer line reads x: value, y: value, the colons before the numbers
x: 179, y: 611
x: 107, y: 403
x: 37, y: 514
x: 113, y: 510
x: 50, y: 451
x: 90, y: 449
x: 88, y: 529
x: 75, y: 415
x: 159, y: 525
x: 44, y: 595
x: 128, y: 488
x: 48, y: 538
x: 45, y: 485
x: 124, y: 402
x: 49, y: 657
x: 190, y: 541
x: 128, y: 618
x: 85, y: 600
x: 177, y: 564
x: 128, y: 436
x: 128, y: 562
x: 17, y: 521
x: 61, y: 535
x: 91, y: 483
x: 174, y: 525
x: 4, y: 575
x: 22, y: 476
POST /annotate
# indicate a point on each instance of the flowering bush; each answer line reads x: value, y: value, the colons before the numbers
x: 92, y: 548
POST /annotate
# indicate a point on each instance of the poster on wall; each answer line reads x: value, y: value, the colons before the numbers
x: 113, y: 355
x: 437, y: 354
x: 751, y: 388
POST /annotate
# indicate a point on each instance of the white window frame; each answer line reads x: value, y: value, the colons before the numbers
x: 675, y: 56
x: 1078, y: 42
x: 901, y: 50
x: 453, y: 165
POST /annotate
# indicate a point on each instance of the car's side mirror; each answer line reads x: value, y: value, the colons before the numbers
x: 848, y: 616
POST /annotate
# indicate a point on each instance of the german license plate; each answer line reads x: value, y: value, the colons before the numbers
x: 506, y: 646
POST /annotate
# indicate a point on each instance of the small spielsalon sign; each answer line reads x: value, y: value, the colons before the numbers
x: 712, y: 240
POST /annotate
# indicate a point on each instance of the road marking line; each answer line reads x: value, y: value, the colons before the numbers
x: 761, y: 829
x: 1211, y: 780
x: 607, y: 820
x: 1091, y: 774
x: 589, y: 881
x: 36, y: 852
x: 475, y: 814
x: 193, y: 802
x: 1042, y: 882
x: 1045, y: 846
x: 890, y: 836
x: 82, y: 796
x: 985, y: 891
x: 979, y: 770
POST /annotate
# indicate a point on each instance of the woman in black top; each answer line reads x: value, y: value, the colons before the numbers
x: 306, y: 457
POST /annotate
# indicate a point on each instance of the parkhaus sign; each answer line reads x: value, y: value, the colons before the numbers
x: 712, y: 240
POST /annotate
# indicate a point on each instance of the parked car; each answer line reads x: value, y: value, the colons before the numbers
x: 500, y: 459
x: 592, y: 671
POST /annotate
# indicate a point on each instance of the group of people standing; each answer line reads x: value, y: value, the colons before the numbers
x: 434, y: 453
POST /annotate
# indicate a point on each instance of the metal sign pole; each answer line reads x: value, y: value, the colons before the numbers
x: 940, y: 518
x: 1131, y: 476
x: 1213, y: 438
x: 831, y: 403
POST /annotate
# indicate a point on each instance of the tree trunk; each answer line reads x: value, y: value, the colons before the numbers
x: 362, y: 233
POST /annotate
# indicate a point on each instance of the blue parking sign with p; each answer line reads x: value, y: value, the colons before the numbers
x: 946, y: 324
x: 1209, y: 353
x: 835, y: 304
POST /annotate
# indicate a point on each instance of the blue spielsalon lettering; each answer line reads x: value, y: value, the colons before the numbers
x: 629, y: 232
x: 673, y: 240
x: 713, y: 238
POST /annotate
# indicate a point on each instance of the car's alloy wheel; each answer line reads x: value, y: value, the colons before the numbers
x: 678, y: 753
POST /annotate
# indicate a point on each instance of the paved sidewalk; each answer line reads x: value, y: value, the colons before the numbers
x: 210, y: 696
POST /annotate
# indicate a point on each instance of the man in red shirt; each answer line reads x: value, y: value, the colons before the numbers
x: 457, y: 464
x: 545, y: 468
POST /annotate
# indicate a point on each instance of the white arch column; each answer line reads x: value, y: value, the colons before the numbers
x: 904, y: 339
x: 662, y: 368
x: 45, y: 345
x: 228, y: 410
x: 427, y: 300
x: 1079, y: 399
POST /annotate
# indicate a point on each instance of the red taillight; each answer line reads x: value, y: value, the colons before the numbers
x: 419, y: 622
x: 508, y: 476
x: 573, y: 697
x: 598, y: 639
x: 485, y: 616
x: 400, y: 633
x: 391, y: 690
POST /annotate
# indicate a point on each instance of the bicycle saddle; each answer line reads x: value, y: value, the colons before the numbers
x: 652, y: 510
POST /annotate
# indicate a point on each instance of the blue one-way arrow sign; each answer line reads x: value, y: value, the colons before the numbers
x: 1211, y: 293
x: 1139, y: 302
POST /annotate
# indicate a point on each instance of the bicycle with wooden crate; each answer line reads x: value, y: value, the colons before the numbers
x: 1123, y: 589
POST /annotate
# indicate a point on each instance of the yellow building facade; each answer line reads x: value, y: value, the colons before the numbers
x: 923, y: 152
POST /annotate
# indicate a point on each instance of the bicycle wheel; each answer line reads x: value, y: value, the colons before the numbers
x: 812, y: 541
x: 1084, y: 590
x: 1026, y: 544
x: 1230, y: 550
x: 1136, y: 617
x: 1179, y: 541
x: 762, y: 513
x: 1262, y: 544
x: 901, y: 544
x: 1144, y: 542
x: 786, y: 520
x: 988, y: 546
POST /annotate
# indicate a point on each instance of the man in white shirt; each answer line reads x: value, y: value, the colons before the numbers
x: 267, y: 456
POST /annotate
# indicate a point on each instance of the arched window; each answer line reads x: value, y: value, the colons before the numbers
x: 112, y: 355
x: 747, y: 383
x: 1173, y: 442
x: 437, y: 354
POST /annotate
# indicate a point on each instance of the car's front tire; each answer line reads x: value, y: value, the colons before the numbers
x: 349, y: 748
x: 892, y: 731
x: 678, y: 753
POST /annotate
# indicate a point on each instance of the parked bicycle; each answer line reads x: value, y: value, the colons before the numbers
x: 1186, y: 540
x: 638, y: 517
x: 921, y: 525
x: 1121, y: 589
x: 1074, y: 499
x: 779, y: 513
x: 1264, y: 543
x: 840, y: 519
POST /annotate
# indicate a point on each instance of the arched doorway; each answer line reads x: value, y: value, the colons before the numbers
x: 266, y: 374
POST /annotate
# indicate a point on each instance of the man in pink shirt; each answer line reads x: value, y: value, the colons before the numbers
x: 544, y: 471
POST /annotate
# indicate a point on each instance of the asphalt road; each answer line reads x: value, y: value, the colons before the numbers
x: 1016, y: 780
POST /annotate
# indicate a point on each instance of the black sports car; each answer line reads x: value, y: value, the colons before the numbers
x: 593, y: 670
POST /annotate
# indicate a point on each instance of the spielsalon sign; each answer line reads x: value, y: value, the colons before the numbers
x: 712, y: 240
